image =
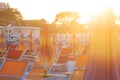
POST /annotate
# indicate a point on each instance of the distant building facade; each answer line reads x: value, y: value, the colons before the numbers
x: 13, y: 33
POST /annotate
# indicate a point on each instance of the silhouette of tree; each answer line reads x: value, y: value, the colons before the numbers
x: 66, y: 17
x: 10, y: 16
x: 66, y: 21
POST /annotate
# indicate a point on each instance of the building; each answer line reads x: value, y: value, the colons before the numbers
x: 14, y: 33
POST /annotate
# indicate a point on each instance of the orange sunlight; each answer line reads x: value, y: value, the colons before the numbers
x: 94, y: 7
x: 37, y: 9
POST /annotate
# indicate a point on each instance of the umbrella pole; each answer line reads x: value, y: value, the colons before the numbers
x: 45, y: 68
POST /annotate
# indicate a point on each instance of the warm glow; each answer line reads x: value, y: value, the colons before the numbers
x: 94, y: 7
x: 37, y: 9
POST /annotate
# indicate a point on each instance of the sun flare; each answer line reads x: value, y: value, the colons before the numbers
x: 94, y: 7
x: 36, y: 9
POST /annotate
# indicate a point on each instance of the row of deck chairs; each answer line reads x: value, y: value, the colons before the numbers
x: 62, y: 64
x: 69, y: 64
x: 17, y: 62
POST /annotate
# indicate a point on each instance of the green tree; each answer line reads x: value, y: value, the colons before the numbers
x: 10, y: 16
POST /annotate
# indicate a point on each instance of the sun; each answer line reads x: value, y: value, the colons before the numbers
x: 94, y: 7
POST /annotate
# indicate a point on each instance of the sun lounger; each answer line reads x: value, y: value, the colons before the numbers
x: 64, y: 63
x: 15, y: 54
x: 80, y: 65
x: 14, y: 70
x: 21, y: 47
x: 81, y: 60
x: 12, y: 47
x: 66, y: 51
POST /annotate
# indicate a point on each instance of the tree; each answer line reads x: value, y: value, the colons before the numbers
x: 10, y: 16
x: 66, y: 17
x: 66, y: 21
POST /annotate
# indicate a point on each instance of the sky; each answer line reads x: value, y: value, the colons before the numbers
x: 47, y: 9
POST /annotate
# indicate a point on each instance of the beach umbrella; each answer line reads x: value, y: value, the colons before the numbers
x: 45, y: 47
x: 74, y: 43
x: 30, y: 41
x: 104, y: 49
x: 21, y: 45
x: 2, y: 42
x: 22, y: 39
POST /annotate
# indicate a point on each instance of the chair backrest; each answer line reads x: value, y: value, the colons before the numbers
x: 81, y: 60
x: 21, y: 47
x: 14, y: 54
x: 66, y: 51
x: 12, y: 46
